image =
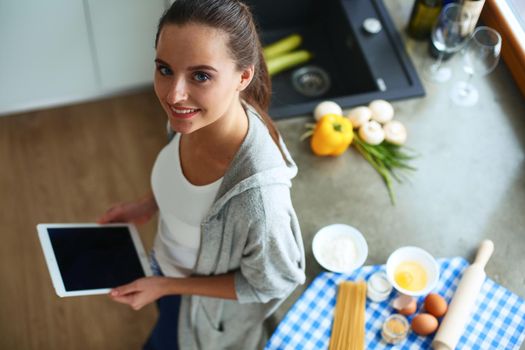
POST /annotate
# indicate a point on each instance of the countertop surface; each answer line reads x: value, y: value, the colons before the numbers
x: 469, y: 184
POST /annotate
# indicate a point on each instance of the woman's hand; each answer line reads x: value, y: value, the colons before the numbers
x: 145, y: 290
x: 138, y: 212
x: 141, y: 292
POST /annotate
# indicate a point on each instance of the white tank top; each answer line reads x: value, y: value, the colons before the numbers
x: 182, y: 207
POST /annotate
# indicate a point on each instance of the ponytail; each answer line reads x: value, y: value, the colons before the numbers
x: 258, y: 93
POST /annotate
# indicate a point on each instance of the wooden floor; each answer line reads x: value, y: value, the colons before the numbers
x: 69, y: 164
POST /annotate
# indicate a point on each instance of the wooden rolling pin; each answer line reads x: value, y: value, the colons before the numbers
x: 463, y: 301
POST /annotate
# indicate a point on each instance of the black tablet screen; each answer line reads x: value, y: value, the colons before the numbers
x: 95, y: 257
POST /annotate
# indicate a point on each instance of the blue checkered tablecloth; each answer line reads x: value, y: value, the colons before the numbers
x: 498, y: 321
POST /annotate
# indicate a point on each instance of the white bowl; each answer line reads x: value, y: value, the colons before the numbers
x: 420, y: 256
x: 339, y: 248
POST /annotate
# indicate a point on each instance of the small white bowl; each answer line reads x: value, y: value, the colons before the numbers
x: 339, y: 248
x: 420, y: 256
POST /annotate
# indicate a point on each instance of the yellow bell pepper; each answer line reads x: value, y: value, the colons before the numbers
x: 332, y: 135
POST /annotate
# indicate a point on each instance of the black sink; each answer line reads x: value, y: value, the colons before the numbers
x: 360, y: 66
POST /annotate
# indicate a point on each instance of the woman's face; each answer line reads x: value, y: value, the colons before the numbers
x: 196, y: 79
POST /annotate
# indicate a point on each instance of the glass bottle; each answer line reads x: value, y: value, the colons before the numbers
x: 424, y: 14
x: 474, y: 7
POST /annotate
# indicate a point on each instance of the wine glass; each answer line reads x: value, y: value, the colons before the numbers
x: 449, y: 34
x: 480, y: 57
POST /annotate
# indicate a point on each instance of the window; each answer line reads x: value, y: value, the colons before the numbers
x: 508, y: 18
x: 518, y: 7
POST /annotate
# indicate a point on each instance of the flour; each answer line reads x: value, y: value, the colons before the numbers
x: 339, y: 253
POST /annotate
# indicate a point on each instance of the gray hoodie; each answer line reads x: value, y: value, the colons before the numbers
x: 251, y: 230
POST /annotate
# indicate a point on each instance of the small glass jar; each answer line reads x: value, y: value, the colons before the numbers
x: 395, y: 329
x: 378, y: 287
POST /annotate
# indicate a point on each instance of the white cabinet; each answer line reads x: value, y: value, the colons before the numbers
x: 45, y: 56
x: 60, y: 51
x: 124, y: 37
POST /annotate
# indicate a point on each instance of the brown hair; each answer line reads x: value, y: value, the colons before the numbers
x: 235, y: 19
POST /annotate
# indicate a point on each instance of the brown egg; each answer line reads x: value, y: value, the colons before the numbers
x: 424, y: 324
x: 435, y: 305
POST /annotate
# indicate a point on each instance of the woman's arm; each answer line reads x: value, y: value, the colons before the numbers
x: 146, y: 290
x: 219, y: 286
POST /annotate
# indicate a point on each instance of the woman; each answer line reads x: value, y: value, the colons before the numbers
x: 228, y: 248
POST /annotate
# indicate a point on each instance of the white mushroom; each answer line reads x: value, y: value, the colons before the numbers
x: 372, y: 133
x: 327, y: 107
x: 359, y: 115
x: 382, y: 111
x: 395, y: 132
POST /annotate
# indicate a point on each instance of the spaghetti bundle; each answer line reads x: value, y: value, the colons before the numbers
x: 348, y: 329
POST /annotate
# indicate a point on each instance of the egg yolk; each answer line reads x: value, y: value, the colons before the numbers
x: 410, y: 275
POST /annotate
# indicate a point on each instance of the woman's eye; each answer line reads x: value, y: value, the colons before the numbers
x: 163, y: 70
x: 201, y: 76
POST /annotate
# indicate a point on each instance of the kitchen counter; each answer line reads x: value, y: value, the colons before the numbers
x: 469, y: 186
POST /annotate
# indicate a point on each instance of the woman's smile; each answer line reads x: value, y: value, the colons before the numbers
x: 183, y: 112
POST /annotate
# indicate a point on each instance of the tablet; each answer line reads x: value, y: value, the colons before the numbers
x: 87, y: 259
